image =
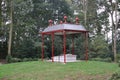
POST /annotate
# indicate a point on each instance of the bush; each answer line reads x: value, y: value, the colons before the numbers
x: 35, y: 59
x: 115, y: 76
x: 27, y: 59
x: 118, y: 58
x: 102, y: 59
x: 16, y: 60
x: 107, y: 60
x: 30, y: 59
x: 119, y: 63
x: 9, y: 58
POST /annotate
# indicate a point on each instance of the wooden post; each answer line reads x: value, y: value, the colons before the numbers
x: 64, y: 45
x: 72, y: 44
x: 52, y: 35
x: 42, y: 47
x: 86, y: 46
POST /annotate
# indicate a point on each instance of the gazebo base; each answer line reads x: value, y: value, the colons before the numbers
x: 69, y: 58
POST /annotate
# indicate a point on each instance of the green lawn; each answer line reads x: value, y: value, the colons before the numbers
x: 37, y: 70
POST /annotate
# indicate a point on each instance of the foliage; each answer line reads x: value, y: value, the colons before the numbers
x: 26, y: 50
x: 16, y: 60
x: 3, y: 50
x: 118, y: 57
x: 79, y: 46
x: 31, y: 15
x: 102, y: 59
x: 99, y: 47
x: 9, y: 58
x: 29, y: 59
x: 119, y: 64
x: 115, y: 76
x: 98, y: 25
x: 118, y: 45
x: 3, y: 29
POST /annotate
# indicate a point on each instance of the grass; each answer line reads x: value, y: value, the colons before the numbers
x: 37, y: 70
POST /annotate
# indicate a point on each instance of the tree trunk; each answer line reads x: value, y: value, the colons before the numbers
x: 115, y: 33
x: 85, y: 11
x: 0, y: 13
x: 114, y: 29
x: 11, y: 28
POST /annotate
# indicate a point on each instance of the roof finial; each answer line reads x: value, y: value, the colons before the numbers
x: 77, y: 20
x: 65, y: 19
x: 50, y: 22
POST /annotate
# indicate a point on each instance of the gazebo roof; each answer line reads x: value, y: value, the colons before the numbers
x: 70, y: 28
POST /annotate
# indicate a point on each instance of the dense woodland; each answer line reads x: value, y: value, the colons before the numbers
x: 21, y: 21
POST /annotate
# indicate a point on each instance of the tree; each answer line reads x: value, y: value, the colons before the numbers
x: 85, y: 11
x: 25, y: 30
x: 113, y: 10
x: 99, y: 47
x: 3, y: 17
x: 0, y: 12
x: 28, y: 17
x: 11, y: 27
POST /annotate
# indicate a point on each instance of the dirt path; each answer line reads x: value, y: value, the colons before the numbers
x: 88, y: 77
x: 77, y: 77
x: 3, y: 61
x: 3, y: 79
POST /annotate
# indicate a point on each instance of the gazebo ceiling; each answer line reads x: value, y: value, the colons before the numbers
x: 69, y: 28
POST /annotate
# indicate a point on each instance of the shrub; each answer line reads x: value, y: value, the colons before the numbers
x: 16, y: 60
x: 118, y: 57
x: 25, y: 59
x: 119, y: 63
x: 29, y: 59
x: 107, y: 59
x: 9, y: 58
x: 115, y: 76
x: 35, y: 59
x: 102, y: 59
